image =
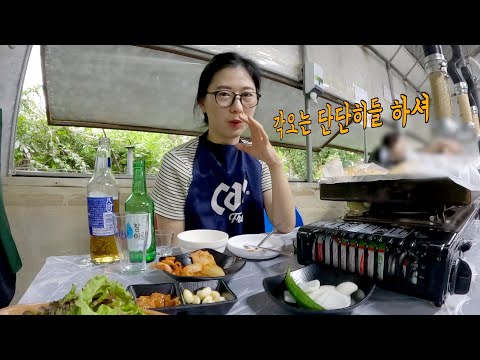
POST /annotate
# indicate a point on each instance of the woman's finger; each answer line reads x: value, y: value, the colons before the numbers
x: 261, y: 129
x: 244, y: 147
x: 256, y: 129
x: 260, y: 134
x: 253, y: 125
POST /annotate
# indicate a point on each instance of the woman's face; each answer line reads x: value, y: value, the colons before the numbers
x: 399, y: 150
x: 225, y: 126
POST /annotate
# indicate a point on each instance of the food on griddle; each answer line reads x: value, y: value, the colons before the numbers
x: 203, y: 264
x: 365, y: 169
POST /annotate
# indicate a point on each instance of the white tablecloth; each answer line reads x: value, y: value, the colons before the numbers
x: 59, y: 273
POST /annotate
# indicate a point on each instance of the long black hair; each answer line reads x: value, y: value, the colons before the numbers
x: 390, y: 139
x: 219, y: 62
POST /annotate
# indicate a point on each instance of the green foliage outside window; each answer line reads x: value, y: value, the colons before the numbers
x: 295, y: 160
x: 41, y: 147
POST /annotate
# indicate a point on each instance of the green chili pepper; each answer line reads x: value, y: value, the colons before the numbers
x: 300, y: 296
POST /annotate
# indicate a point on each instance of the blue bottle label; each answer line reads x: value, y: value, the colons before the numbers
x: 100, y: 216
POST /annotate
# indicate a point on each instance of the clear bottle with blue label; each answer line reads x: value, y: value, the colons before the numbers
x: 102, y: 202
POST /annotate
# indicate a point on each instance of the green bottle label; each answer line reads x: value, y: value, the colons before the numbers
x: 138, y: 232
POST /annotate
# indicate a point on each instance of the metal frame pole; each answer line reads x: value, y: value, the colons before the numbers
x: 308, y: 143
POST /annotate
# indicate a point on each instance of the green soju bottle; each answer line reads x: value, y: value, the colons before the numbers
x: 139, y: 201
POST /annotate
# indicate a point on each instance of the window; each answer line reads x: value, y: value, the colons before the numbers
x: 295, y: 161
x: 41, y: 148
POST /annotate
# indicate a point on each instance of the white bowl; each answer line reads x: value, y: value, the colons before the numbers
x: 192, y: 240
x: 236, y: 246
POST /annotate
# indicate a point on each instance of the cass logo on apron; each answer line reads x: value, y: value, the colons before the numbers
x: 236, y: 195
x: 226, y: 191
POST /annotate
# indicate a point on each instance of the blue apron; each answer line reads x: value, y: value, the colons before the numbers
x: 226, y: 190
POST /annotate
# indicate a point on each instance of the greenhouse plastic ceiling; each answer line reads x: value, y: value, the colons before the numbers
x: 468, y: 50
x: 142, y: 88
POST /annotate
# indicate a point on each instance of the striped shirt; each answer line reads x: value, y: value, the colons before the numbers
x: 173, y: 181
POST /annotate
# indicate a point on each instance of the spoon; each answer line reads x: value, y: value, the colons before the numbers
x: 266, y: 237
x: 253, y: 248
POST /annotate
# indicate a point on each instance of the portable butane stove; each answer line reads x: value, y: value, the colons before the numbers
x: 405, y: 246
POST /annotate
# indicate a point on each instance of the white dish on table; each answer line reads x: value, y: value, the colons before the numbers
x: 236, y: 245
x: 191, y: 240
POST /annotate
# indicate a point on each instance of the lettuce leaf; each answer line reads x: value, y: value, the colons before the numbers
x: 99, y: 296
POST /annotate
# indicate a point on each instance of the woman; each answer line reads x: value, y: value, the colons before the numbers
x: 392, y: 152
x: 217, y: 181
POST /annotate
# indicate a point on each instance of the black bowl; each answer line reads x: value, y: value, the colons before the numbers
x: 230, y: 265
x: 217, y: 308
x: 275, y: 287
x: 149, y: 289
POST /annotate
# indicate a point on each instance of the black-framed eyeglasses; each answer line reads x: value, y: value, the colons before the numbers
x: 226, y: 98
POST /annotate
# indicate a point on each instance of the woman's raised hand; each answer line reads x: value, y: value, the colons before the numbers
x: 260, y: 147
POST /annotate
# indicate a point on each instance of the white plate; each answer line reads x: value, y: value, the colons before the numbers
x: 236, y: 246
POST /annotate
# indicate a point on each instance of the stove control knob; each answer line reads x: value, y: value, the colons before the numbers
x: 463, y: 277
x: 466, y: 245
